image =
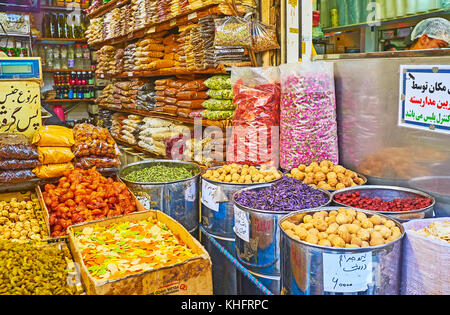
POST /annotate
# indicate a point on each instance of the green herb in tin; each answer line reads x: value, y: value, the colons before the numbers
x: 159, y: 174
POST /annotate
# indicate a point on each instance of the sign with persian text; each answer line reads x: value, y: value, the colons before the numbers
x: 425, y: 97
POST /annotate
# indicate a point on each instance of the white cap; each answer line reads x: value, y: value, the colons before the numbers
x: 437, y: 28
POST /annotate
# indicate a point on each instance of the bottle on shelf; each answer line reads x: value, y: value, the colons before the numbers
x: 78, y: 57
x: 47, y: 25
x: 69, y: 27
x: 70, y: 57
x: 49, y: 57
x: 43, y: 54
x: 86, y: 57
x: 54, y: 26
x: 61, y: 26
x: 56, y: 57
x: 63, y: 52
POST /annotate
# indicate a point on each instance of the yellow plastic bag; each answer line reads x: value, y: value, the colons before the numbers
x: 53, y: 136
x: 52, y: 170
x: 54, y: 155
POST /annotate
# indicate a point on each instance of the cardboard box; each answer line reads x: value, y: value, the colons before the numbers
x: 191, y: 277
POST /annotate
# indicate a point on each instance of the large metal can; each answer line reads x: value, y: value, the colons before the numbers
x: 308, y: 269
x: 258, y: 236
x: 217, y: 207
x: 178, y: 199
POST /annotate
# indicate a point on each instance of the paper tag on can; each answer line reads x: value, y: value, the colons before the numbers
x: 241, y: 224
x: 208, y: 193
x: 151, y: 30
x: 189, y: 193
x: 346, y: 273
x: 130, y: 74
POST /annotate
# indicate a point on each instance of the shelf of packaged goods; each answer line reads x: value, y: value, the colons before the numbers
x: 179, y: 20
x: 69, y: 100
x: 69, y: 7
x: 162, y: 73
x: 401, y: 19
x: 67, y: 41
x: 67, y: 70
x: 223, y: 124
x: 107, y: 7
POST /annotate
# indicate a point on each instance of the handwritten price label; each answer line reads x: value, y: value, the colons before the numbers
x: 347, y: 273
x: 189, y: 193
x: 208, y: 195
x: 241, y: 224
x: 192, y: 16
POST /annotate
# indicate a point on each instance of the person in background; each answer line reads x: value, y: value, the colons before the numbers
x: 433, y: 33
x: 390, y: 47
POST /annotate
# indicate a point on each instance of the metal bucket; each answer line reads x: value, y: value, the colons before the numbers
x: 178, y: 199
x: 258, y: 241
x: 247, y: 287
x: 388, y: 193
x: 438, y: 187
x: 218, y: 217
x: 308, y: 269
x: 224, y: 272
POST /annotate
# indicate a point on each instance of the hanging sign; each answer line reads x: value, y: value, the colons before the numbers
x: 424, y: 97
x: 20, y: 107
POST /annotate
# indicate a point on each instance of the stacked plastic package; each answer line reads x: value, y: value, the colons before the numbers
x: 107, y: 63
x: 148, y: 50
x: 128, y: 57
x: 116, y: 124
x: 95, y: 30
x: 220, y: 106
x: 94, y: 146
x: 129, y: 127
x: 139, y: 13
x: 17, y: 158
x: 54, y: 148
x: 146, y: 96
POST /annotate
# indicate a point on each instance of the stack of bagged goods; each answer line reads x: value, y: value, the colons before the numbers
x: 184, y: 46
x: 197, y: 150
x: 94, y: 147
x: 150, y: 10
x: 112, y: 24
x: 140, y: 14
x: 165, y: 97
x: 107, y: 99
x: 105, y: 117
x: 148, y: 50
x: 17, y: 158
x: 163, y: 11
x: 95, y: 30
x: 130, y: 127
x: 126, y: 20
x: 54, y: 148
x: 171, y: 59
x: 116, y: 124
x: 189, y: 48
x: 207, y: 31
x: 184, y: 6
x: 175, y: 8
x: 152, y: 133
x: 146, y: 96
x: 190, y: 97
x: 217, y: 146
x: 230, y: 56
x: 128, y: 58
x: 220, y: 106
x: 119, y: 60
x: 106, y: 62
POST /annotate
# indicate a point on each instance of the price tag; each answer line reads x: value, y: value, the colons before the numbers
x: 346, y: 273
x: 151, y: 30
x: 189, y: 193
x: 173, y: 22
x: 241, y: 224
x: 130, y: 74
x: 208, y: 193
x: 102, y: 75
x: 192, y: 16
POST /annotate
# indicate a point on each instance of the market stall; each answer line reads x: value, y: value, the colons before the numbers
x: 205, y: 173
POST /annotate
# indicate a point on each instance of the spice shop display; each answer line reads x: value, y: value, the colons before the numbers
x: 94, y: 146
x: 327, y: 175
x: 54, y: 148
x: 254, y: 138
x: 18, y: 157
x: 218, y: 108
x: 308, y: 127
x: 264, y: 37
x: 85, y: 195
x: 37, y: 269
x: 22, y: 218
x: 232, y: 31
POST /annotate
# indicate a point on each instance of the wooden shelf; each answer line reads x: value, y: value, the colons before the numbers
x: 67, y: 70
x: 161, y: 73
x: 62, y: 40
x: 205, y: 122
x: 69, y: 100
x: 105, y: 8
x: 179, y: 20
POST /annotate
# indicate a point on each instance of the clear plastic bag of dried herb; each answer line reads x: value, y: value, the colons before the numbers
x: 232, y: 31
x: 264, y: 37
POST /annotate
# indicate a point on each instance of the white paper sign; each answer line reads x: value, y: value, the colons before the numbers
x: 425, y: 97
x: 189, y: 193
x: 346, y: 273
x: 208, y: 192
x: 192, y: 16
x: 241, y: 224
